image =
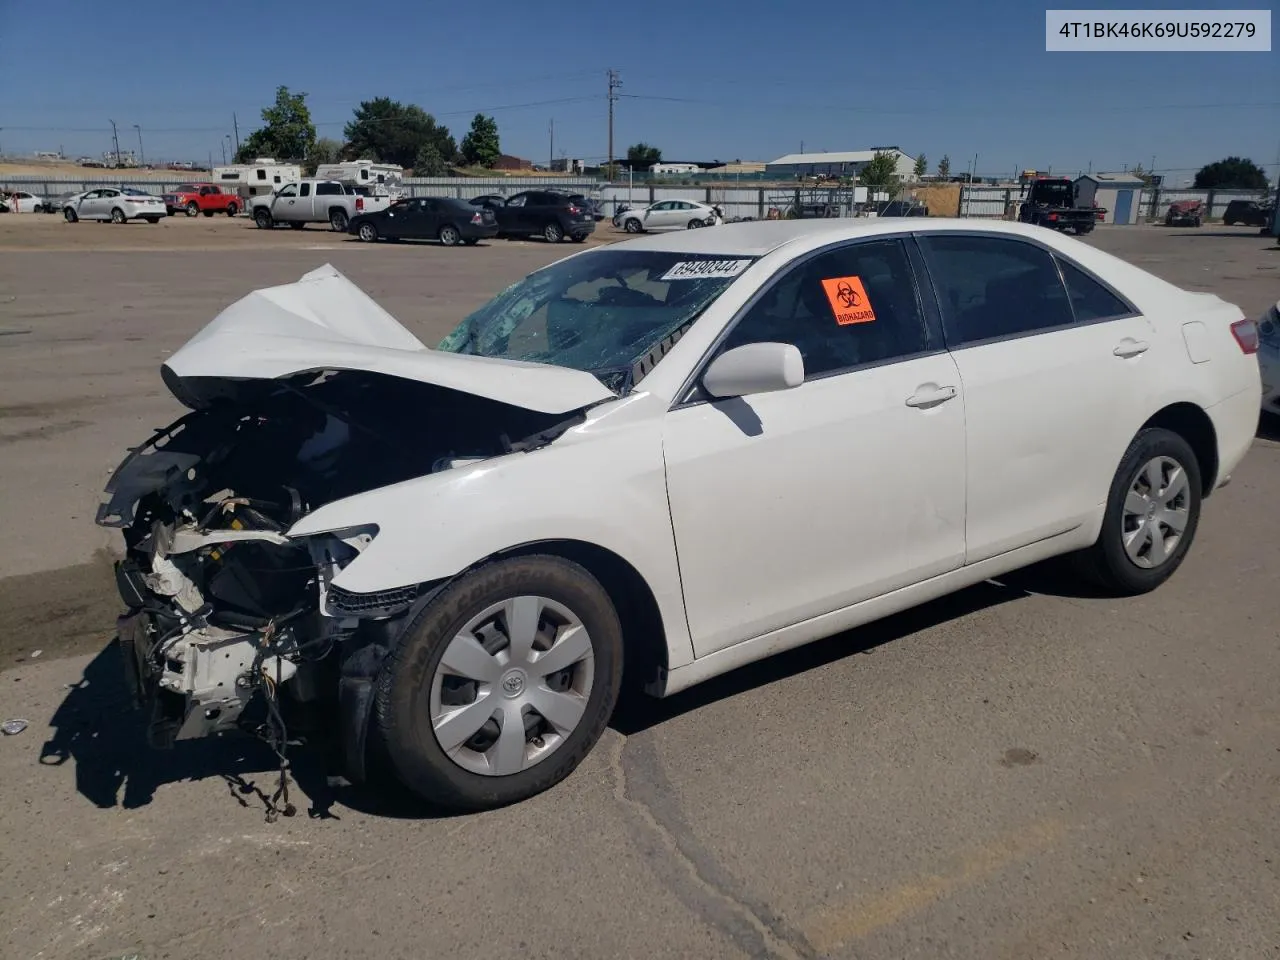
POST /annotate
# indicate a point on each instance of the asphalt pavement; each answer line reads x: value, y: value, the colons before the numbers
x: 1021, y: 770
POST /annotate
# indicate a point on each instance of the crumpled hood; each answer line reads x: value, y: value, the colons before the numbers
x: 325, y: 322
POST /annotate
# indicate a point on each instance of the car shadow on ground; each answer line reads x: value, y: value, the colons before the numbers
x: 1220, y: 234
x: 97, y: 727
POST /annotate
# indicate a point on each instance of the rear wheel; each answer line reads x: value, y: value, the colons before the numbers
x: 338, y: 220
x: 502, y: 685
x: 1153, y: 510
x: 449, y: 235
x: 263, y: 219
x: 193, y: 208
x: 367, y: 232
x: 553, y: 232
x: 117, y: 216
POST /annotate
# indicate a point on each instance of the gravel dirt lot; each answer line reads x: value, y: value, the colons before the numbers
x: 1021, y: 770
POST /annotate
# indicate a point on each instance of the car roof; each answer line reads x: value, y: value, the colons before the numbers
x: 756, y: 238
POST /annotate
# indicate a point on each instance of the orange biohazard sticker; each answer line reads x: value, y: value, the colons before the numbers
x: 849, y: 301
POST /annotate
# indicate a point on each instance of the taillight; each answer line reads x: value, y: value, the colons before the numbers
x: 1052, y: 216
x: 476, y: 218
x: 1100, y: 215
x: 1246, y: 334
x: 574, y: 210
x: 359, y: 203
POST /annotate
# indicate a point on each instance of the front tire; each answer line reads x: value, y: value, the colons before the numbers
x: 69, y: 215
x: 632, y: 225
x: 502, y: 685
x: 695, y: 224
x: 193, y: 208
x: 263, y: 219
x: 1153, y: 511
x: 232, y: 209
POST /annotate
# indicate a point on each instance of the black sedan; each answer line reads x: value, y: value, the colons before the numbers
x: 427, y: 218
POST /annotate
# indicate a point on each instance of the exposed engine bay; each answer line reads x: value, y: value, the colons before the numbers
x: 232, y: 624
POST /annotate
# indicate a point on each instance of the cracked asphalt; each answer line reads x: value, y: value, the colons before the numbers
x: 1020, y: 770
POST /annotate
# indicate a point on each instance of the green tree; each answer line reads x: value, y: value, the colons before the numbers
x: 1233, y: 173
x: 944, y: 167
x: 287, y: 132
x: 388, y: 131
x: 324, y: 150
x: 480, y: 147
x: 881, y: 172
x: 429, y: 162
x: 1141, y: 174
x: 922, y: 165
x: 642, y: 156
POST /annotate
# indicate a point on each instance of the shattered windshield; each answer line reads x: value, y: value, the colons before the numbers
x: 602, y: 312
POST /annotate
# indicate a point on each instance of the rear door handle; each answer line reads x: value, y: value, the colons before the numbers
x: 930, y: 395
x: 1131, y: 348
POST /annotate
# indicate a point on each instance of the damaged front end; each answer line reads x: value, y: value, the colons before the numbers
x: 232, y: 624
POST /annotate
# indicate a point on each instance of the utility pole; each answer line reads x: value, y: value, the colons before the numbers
x: 223, y: 144
x: 614, y: 84
x: 236, y: 127
x: 115, y: 140
x: 551, y: 155
x: 142, y: 155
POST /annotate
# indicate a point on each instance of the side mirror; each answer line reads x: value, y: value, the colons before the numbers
x: 754, y: 368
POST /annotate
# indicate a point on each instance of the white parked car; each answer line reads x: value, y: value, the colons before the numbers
x: 117, y: 204
x: 1269, y: 359
x: 683, y: 453
x: 19, y: 201
x: 670, y: 215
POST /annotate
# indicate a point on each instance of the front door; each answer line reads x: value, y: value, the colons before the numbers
x: 284, y: 205
x: 1052, y: 365
x: 1124, y: 205
x: 790, y: 505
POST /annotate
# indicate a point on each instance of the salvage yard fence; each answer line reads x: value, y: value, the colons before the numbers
x: 976, y: 201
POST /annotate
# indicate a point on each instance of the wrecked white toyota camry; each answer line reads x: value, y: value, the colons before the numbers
x: 687, y: 452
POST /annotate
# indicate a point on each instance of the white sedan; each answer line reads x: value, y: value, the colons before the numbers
x: 682, y: 453
x: 670, y: 215
x: 1269, y: 359
x: 117, y: 204
x: 19, y: 201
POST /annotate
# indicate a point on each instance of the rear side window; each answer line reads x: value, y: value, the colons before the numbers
x: 847, y: 308
x: 995, y: 287
x: 304, y: 190
x: 1089, y: 299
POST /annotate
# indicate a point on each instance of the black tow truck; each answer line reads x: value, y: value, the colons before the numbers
x: 1051, y: 203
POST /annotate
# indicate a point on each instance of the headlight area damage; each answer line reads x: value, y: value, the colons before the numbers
x: 231, y: 623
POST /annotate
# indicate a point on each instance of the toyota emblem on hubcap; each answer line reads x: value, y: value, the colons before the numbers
x: 513, y: 684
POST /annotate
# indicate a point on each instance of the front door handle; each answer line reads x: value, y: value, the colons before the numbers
x: 1131, y: 348
x: 930, y: 395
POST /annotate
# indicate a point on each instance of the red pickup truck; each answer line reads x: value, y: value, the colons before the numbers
x: 206, y: 198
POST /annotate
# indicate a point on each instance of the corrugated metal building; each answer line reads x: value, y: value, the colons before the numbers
x: 1119, y: 193
x: 849, y: 163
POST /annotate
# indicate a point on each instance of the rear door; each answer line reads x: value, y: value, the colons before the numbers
x: 1052, y: 366
x: 427, y: 219
x: 305, y: 208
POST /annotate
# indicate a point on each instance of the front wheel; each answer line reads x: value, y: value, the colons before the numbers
x: 449, y: 235
x: 69, y: 215
x: 232, y: 209
x: 338, y: 221
x: 1152, y: 512
x: 193, y: 208
x: 632, y: 225
x: 695, y: 224
x: 502, y: 685
x: 263, y: 219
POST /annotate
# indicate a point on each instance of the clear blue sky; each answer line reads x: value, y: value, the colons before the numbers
x: 743, y: 79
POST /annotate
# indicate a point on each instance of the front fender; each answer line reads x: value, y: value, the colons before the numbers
x: 607, y: 489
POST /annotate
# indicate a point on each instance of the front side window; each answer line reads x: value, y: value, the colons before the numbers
x: 850, y: 307
x: 993, y: 287
x: 290, y: 191
x: 602, y: 312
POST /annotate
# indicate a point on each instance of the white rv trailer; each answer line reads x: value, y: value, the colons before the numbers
x: 380, y: 178
x: 263, y: 176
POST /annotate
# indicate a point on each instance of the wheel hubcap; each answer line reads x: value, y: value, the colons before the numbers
x: 512, y: 686
x: 1156, y: 510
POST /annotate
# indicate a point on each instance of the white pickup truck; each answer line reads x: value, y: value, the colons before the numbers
x: 314, y: 201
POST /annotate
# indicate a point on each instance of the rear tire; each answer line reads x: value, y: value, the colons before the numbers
x: 449, y: 235
x: 117, y: 216
x: 263, y: 219
x: 553, y: 232
x: 367, y: 232
x: 468, y: 774
x: 339, y: 221
x: 1156, y: 487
